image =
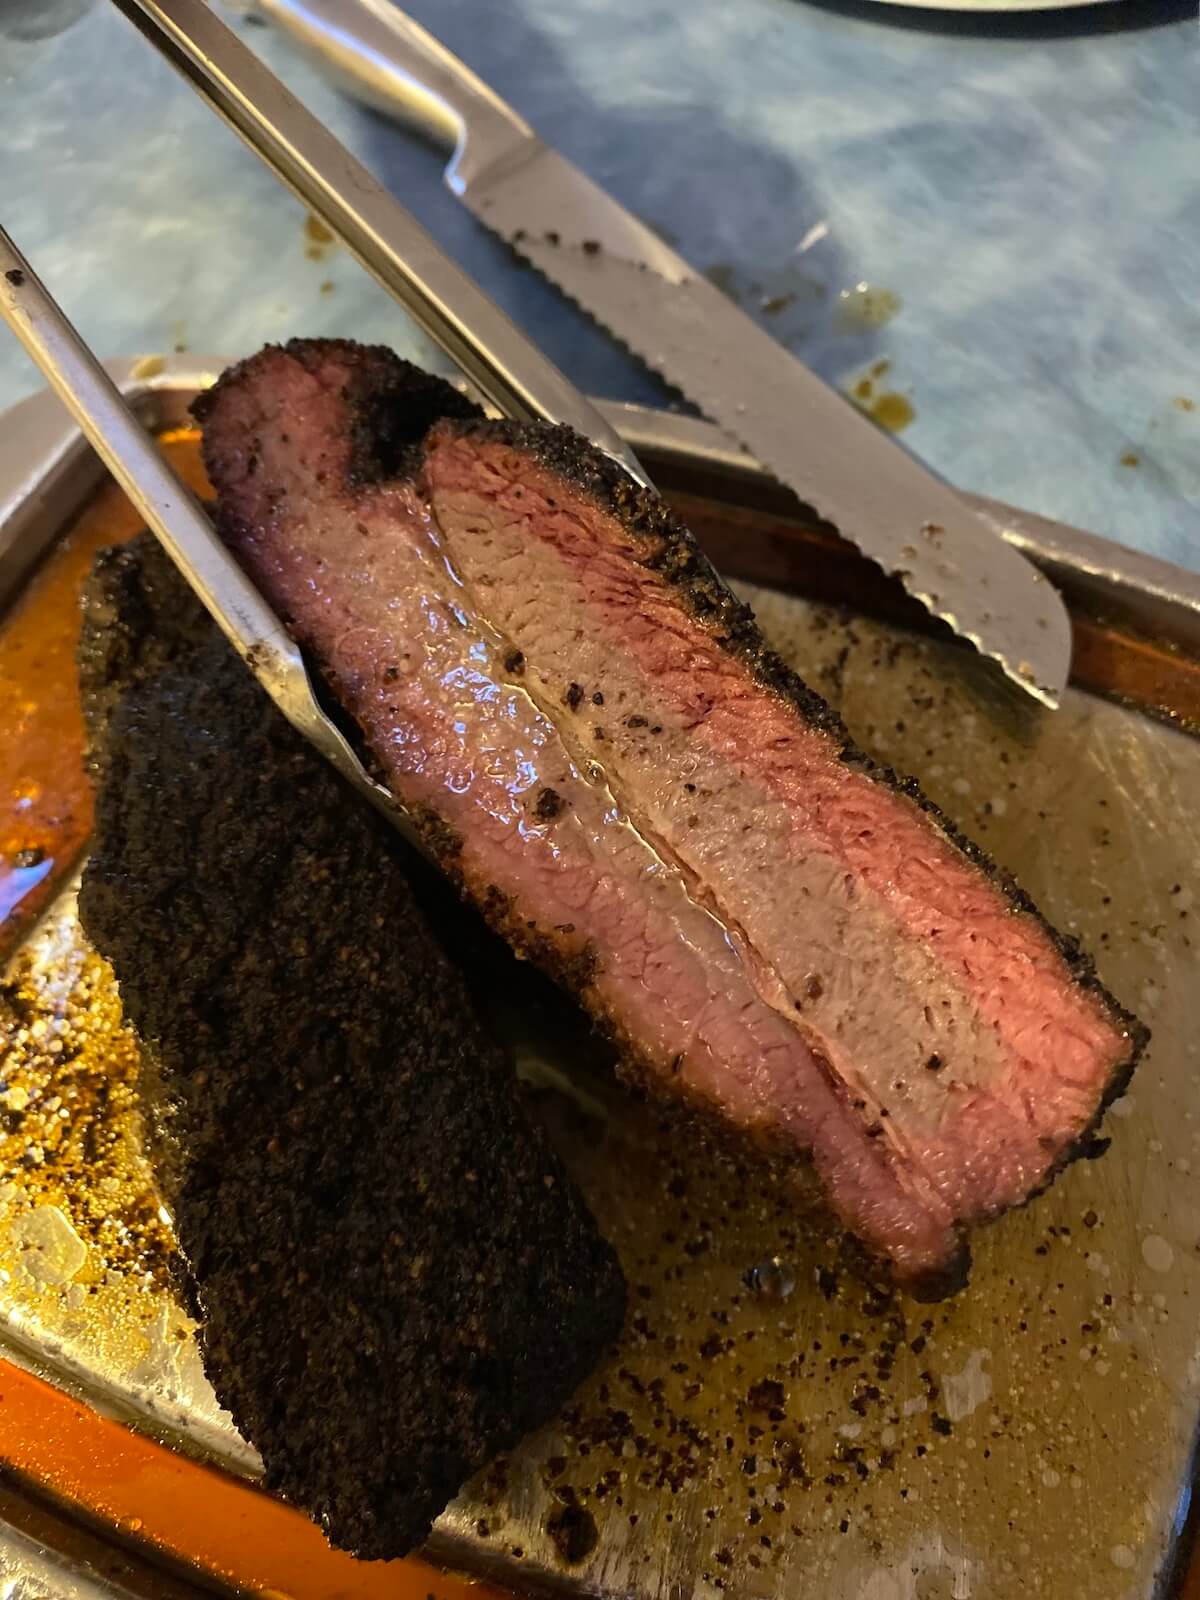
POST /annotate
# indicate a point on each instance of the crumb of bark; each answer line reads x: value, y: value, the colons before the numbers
x: 549, y: 805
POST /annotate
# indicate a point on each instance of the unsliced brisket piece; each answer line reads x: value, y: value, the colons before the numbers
x: 395, y: 1277
x: 648, y: 801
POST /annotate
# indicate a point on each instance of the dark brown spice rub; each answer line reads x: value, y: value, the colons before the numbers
x: 127, y: 595
x: 395, y: 1276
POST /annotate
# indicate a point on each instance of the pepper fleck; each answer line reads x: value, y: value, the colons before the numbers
x: 549, y: 805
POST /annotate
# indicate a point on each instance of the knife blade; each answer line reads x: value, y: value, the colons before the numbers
x: 897, y: 511
x: 502, y: 363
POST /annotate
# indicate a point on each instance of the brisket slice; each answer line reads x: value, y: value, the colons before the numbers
x: 394, y: 1275
x: 644, y: 798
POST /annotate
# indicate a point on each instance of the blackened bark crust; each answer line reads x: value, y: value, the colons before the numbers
x: 396, y: 1277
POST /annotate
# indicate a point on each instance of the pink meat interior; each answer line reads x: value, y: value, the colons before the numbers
x: 774, y: 934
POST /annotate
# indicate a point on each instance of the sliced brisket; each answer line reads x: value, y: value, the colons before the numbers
x: 395, y: 1277
x: 645, y: 799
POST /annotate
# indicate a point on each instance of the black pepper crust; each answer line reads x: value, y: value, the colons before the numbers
x: 120, y: 644
x: 395, y: 1275
x: 669, y: 549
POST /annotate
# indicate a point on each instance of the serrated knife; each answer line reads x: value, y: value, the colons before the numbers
x: 618, y: 270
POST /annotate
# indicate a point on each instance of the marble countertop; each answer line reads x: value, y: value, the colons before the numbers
x: 1022, y: 199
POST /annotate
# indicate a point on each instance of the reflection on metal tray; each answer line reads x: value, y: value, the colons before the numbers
x: 763, y: 1429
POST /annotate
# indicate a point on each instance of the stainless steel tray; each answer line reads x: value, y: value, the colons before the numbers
x: 1036, y: 1434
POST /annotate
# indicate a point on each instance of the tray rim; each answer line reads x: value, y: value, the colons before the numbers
x: 42, y: 450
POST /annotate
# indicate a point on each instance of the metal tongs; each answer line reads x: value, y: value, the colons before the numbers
x: 507, y: 369
x: 174, y: 514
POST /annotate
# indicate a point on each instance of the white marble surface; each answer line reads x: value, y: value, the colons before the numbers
x: 1031, y: 193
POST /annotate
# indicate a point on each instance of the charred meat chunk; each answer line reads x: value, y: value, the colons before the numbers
x: 394, y: 1275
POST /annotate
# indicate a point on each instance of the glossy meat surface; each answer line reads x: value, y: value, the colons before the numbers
x: 638, y: 794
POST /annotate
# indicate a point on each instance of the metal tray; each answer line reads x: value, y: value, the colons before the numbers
x: 763, y: 1429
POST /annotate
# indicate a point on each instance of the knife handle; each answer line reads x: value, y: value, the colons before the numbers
x: 391, y: 63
